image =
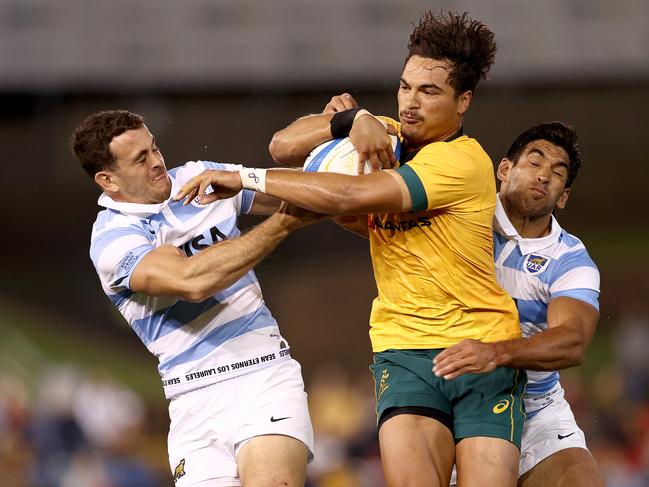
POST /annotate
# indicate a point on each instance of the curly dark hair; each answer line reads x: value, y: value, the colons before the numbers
x: 91, y: 140
x: 558, y: 133
x: 466, y: 43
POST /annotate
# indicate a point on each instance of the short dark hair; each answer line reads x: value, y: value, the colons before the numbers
x: 558, y: 133
x: 466, y: 43
x: 91, y: 140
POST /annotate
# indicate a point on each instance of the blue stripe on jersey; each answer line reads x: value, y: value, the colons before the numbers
x: 568, y: 239
x: 513, y: 260
x: 532, y: 311
x: 119, y: 298
x: 261, y: 318
x: 499, y: 244
x: 587, y: 295
x: 541, y: 387
x: 566, y: 263
x: 245, y: 281
x: 169, y: 319
x: 101, y: 241
x: 247, y: 199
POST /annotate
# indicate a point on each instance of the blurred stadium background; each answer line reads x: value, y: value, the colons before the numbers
x: 80, y: 400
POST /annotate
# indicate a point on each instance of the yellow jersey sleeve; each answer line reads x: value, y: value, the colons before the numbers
x: 447, y: 174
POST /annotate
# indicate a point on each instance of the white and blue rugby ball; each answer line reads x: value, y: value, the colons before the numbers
x: 339, y: 155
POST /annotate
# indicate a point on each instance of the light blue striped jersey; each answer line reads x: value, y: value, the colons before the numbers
x: 534, y: 271
x: 197, y: 344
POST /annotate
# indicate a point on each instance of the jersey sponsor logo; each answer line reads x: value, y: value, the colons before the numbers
x: 179, y: 471
x: 203, y: 241
x: 535, y: 264
x: 561, y: 437
x: 399, y: 225
x: 383, y: 385
x: 127, y: 261
x: 501, y: 406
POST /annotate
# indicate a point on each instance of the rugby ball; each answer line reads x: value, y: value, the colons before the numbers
x: 339, y: 155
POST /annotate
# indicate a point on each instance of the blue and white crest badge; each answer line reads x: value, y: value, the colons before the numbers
x: 535, y: 264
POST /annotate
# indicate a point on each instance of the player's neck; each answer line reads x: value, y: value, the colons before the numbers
x: 533, y: 228
x: 528, y: 226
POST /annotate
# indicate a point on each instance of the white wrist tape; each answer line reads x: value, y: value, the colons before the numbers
x: 360, y: 113
x: 254, y: 179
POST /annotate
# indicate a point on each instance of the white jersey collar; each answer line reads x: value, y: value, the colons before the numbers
x: 504, y: 226
x: 140, y: 210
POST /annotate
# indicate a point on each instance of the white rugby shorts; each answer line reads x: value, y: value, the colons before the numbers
x: 210, y: 425
x: 551, y: 430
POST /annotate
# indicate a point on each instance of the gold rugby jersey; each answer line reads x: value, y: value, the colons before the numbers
x: 434, y: 265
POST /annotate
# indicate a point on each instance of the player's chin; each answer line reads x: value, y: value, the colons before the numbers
x: 163, y: 191
x: 411, y: 136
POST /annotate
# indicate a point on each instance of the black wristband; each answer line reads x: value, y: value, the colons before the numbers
x: 341, y: 123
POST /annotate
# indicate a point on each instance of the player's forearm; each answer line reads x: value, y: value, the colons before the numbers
x: 327, y: 193
x: 222, y: 264
x: 291, y: 145
x: 553, y: 349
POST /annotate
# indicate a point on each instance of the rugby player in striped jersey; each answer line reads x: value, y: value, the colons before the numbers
x: 555, y: 284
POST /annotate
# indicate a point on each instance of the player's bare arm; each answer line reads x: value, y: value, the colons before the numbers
x: 166, y: 271
x: 571, y: 326
x: 291, y: 145
x: 327, y: 193
x: 264, y: 204
x: 354, y: 224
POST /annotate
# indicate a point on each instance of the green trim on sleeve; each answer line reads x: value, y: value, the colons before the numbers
x: 415, y: 186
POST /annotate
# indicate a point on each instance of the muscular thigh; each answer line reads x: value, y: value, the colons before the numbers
x: 486, y: 461
x: 572, y: 467
x: 416, y: 451
x: 272, y: 460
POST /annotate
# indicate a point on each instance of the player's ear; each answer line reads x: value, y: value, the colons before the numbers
x: 107, y: 181
x: 563, y: 200
x: 504, y: 169
x: 464, y: 100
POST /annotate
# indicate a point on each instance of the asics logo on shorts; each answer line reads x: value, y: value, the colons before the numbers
x: 501, y: 406
x: 383, y: 385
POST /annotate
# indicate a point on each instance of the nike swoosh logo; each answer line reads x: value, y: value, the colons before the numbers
x: 562, y: 437
x: 275, y: 420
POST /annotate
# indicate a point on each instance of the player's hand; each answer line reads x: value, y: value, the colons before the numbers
x: 371, y: 138
x: 466, y: 357
x: 340, y: 103
x: 224, y: 184
x: 297, y: 217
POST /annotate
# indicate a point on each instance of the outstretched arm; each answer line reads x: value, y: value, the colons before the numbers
x: 328, y: 193
x: 166, y: 271
x: 571, y: 326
